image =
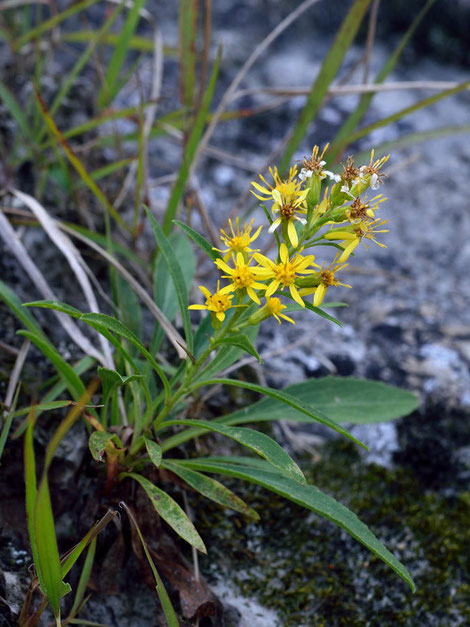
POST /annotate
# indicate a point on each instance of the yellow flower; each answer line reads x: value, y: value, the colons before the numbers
x: 326, y: 279
x: 239, y: 241
x: 242, y: 277
x: 288, y: 200
x: 351, y: 235
x: 274, y: 306
x: 284, y: 273
x: 217, y: 303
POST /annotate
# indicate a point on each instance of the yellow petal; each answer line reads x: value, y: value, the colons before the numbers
x: 295, y: 295
x: 252, y: 294
x: 220, y: 316
x: 223, y: 266
x: 319, y: 295
x: 292, y: 233
x: 284, y: 253
x: 197, y: 307
x: 205, y: 291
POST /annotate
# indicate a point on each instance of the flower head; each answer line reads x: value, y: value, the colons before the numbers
x: 326, y: 278
x: 360, y: 210
x: 217, y: 303
x: 285, y: 272
x: 274, y: 306
x: 288, y: 201
x: 238, y: 241
x: 373, y: 170
x: 242, y: 276
x: 315, y: 165
x: 351, y: 235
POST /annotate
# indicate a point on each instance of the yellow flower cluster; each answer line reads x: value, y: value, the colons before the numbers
x: 299, y: 215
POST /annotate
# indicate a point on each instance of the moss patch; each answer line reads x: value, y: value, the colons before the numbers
x: 312, y: 573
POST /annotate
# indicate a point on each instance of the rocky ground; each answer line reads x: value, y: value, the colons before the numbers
x: 407, y: 323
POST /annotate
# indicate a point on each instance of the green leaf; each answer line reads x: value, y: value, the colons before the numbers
x: 176, y: 275
x: 165, y: 294
x: 154, y: 451
x: 98, y: 442
x: 211, y: 489
x: 31, y: 491
x: 130, y: 312
x: 257, y: 442
x: 66, y: 372
x: 12, y: 301
x: 307, y: 496
x: 199, y: 240
x: 56, y: 305
x: 241, y: 341
x: 344, y: 399
x: 170, y: 511
x: 42, y: 407
x: 287, y: 399
x: 47, y: 549
x: 328, y: 70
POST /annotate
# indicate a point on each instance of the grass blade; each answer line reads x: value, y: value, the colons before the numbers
x: 191, y: 148
x: 167, y: 607
x: 199, y: 240
x: 328, y: 70
x: 426, y: 102
x: 188, y: 15
x: 111, y: 79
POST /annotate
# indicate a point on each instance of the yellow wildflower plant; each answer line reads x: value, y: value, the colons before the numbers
x: 284, y: 273
x: 288, y: 201
x: 239, y: 241
x: 217, y: 303
x: 243, y: 277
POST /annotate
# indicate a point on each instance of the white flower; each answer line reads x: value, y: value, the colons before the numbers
x: 332, y: 176
x: 374, y: 181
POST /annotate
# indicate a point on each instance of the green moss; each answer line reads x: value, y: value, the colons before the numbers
x: 312, y: 573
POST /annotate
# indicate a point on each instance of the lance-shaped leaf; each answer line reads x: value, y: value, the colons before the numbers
x: 287, y: 399
x: 170, y: 511
x: 176, y: 274
x: 344, y: 399
x: 257, y: 442
x: 211, y: 489
x: 307, y: 496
